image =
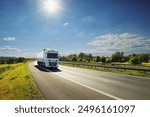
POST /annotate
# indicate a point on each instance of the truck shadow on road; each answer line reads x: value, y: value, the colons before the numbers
x: 47, y: 69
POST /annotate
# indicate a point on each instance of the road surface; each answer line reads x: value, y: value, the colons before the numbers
x: 68, y: 83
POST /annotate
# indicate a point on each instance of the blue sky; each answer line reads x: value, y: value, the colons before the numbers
x: 100, y: 27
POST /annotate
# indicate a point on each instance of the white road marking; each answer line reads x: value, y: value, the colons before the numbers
x: 96, y: 90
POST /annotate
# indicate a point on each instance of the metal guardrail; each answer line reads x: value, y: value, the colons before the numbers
x: 107, y: 67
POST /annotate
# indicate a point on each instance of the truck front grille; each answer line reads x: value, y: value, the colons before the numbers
x: 52, y: 64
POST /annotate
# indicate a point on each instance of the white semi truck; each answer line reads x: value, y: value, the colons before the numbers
x: 48, y: 58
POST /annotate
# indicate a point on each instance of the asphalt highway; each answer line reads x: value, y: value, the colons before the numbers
x: 68, y: 83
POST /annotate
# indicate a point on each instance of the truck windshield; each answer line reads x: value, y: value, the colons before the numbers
x: 52, y: 55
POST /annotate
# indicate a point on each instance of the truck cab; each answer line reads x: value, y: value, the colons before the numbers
x: 48, y: 58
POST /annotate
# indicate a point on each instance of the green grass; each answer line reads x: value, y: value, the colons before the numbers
x: 134, y: 73
x: 16, y: 83
x: 146, y: 64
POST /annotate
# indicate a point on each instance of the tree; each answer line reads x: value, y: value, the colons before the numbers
x: 89, y: 57
x: 2, y: 60
x: 135, y: 60
x: 21, y: 59
x: 117, y: 56
x: 98, y: 59
x: 108, y: 60
x: 69, y: 57
x: 145, y: 58
x: 82, y: 55
x: 74, y: 59
x: 10, y: 60
x: 62, y: 58
x: 125, y: 59
x: 103, y: 59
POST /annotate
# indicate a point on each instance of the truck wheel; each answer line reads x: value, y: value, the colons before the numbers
x: 43, y: 64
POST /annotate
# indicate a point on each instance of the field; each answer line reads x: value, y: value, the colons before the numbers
x: 16, y: 83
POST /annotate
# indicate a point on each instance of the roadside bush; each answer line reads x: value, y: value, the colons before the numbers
x: 103, y: 59
x: 80, y: 60
x: 108, y: 60
x: 135, y: 60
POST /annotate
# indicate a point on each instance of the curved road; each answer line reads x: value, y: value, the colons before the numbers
x: 76, y: 83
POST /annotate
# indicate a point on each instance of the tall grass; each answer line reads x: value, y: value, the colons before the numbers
x: 16, y: 83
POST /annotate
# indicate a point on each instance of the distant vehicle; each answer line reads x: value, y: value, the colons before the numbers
x: 48, y: 58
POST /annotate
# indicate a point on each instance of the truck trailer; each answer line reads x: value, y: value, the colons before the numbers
x: 48, y: 58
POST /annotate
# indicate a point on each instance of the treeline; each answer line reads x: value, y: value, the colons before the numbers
x: 12, y: 60
x: 116, y: 57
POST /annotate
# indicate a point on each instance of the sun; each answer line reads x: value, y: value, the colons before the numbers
x: 51, y: 6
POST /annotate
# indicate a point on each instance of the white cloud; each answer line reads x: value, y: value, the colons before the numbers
x: 130, y: 43
x: 65, y: 53
x: 9, y: 38
x: 66, y: 23
x: 8, y: 48
x: 29, y: 54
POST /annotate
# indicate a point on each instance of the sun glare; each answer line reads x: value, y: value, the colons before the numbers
x: 51, y: 6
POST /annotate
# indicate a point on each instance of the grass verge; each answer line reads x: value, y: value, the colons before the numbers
x: 134, y: 73
x: 16, y: 83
